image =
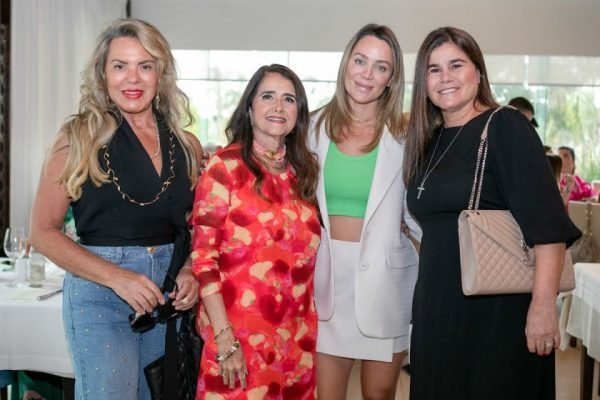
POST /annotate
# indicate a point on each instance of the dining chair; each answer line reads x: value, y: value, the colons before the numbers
x: 6, y: 378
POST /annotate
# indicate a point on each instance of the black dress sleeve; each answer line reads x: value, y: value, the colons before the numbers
x: 519, y: 164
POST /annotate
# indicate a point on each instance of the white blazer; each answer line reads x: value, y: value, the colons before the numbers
x: 387, y: 269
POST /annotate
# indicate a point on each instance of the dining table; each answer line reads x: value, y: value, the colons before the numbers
x: 584, y: 321
x: 32, y: 336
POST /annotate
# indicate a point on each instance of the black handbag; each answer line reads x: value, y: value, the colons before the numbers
x: 174, y: 376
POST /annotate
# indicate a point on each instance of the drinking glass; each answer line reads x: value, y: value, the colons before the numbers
x: 37, y: 268
x: 14, y: 247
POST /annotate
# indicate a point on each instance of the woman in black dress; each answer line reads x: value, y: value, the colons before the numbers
x: 478, y: 347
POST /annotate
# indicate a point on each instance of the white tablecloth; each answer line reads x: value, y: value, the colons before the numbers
x: 31, y: 332
x: 584, y: 315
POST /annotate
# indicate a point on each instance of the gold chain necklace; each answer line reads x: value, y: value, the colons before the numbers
x: 429, y: 171
x: 164, y: 186
x: 157, y: 152
x: 363, y: 121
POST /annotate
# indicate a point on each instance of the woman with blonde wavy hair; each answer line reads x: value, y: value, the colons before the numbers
x: 366, y: 266
x: 128, y: 170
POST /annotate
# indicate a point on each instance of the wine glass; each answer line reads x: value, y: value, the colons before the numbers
x: 14, y: 247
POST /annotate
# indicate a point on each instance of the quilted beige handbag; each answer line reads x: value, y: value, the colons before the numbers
x: 494, y: 257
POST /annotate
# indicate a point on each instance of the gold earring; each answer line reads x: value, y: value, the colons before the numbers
x: 157, y: 100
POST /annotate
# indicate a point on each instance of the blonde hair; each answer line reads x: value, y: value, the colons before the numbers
x: 337, y: 114
x: 98, y: 118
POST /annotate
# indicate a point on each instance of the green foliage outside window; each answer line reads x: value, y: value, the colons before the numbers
x: 568, y: 116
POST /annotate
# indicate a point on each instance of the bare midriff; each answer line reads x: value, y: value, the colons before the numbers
x: 346, y: 228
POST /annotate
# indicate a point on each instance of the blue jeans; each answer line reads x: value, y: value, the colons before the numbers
x: 108, y: 357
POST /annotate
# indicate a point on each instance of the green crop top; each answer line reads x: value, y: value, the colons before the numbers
x: 348, y: 181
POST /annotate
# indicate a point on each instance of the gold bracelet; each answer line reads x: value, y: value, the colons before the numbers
x: 221, y: 332
x: 225, y: 356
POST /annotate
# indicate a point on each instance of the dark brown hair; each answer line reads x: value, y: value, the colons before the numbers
x: 572, y: 152
x: 425, y: 117
x: 303, y: 161
x: 556, y: 164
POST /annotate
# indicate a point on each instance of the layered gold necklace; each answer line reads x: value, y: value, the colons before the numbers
x: 272, y: 159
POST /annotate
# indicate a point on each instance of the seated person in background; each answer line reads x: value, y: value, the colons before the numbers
x: 581, y: 190
x: 556, y: 165
x: 211, y: 148
x: 526, y: 108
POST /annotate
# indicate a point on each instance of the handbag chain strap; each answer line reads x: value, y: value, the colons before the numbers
x: 479, y: 171
x: 588, y: 220
x: 480, y: 166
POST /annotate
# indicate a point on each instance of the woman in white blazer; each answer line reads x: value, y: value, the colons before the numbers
x: 366, y: 266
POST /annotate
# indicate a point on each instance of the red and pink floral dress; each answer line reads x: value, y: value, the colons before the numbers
x: 259, y: 253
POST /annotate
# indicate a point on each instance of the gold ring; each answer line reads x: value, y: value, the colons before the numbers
x: 185, y: 300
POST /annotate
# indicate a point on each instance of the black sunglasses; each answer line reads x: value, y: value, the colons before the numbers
x: 161, y: 314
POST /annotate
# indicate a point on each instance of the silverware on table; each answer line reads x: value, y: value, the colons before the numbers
x: 48, y: 295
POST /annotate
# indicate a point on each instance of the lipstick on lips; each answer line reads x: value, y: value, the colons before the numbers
x: 132, y: 94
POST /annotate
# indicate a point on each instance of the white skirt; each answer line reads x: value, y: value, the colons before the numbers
x: 340, y: 336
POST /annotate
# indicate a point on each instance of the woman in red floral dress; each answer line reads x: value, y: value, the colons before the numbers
x: 255, y: 236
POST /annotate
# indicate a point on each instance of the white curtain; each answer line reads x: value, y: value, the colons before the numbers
x: 50, y: 42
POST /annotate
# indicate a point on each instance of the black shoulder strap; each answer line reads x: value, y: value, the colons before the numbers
x: 181, y: 250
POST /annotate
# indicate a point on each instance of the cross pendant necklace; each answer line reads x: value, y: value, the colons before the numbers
x: 420, y: 189
x: 428, y: 171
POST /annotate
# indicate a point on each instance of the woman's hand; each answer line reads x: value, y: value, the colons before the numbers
x: 139, y: 291
x: 203, y: 162
x: 234, y: 367
x: 542, y: 330
x: 569, y: 182
x: 187, y: 295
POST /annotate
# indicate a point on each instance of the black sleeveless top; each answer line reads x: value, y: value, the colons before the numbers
x: 104, y: 218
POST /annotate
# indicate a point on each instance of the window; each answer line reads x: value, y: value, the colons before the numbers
x: 565, y: 91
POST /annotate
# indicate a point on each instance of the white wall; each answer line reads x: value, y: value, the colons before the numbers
x: 534, y: 27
